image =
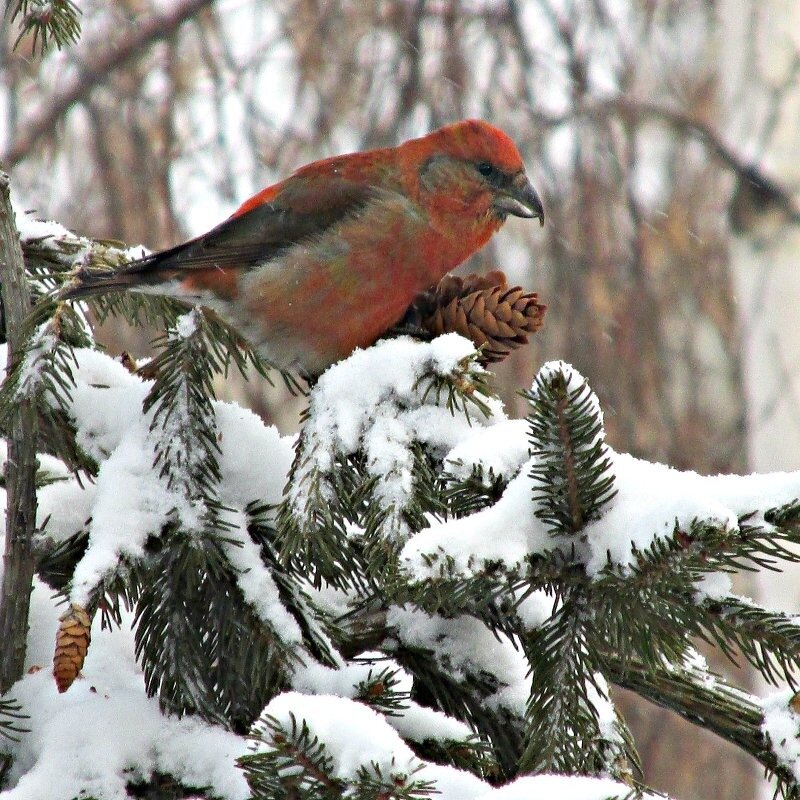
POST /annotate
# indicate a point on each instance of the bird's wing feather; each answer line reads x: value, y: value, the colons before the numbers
x: 300, y: 210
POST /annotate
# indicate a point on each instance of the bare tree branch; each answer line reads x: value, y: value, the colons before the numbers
x: 749, y: 174
x: 95, y: 72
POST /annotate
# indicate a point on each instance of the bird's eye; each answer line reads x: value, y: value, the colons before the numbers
x: 485, y: 169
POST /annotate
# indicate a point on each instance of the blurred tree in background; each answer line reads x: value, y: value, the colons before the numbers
x: 166, y: 115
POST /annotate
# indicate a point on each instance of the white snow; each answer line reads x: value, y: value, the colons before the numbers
x: 186, y: 325
x: 411, y: 720
x: 782, y: 726
x: 452, y: 783
x: 600, y: 697
x: 32, y: 229
x: 255, y: 458
x: 651, y: 500
x: 536, y: 609
x: 419, y: 724
x: 314, y: 678
x: 255, y: 580
x: 464, y: 646
x: 53, y: 235
x: 333, y: 601
x: 498, y: 450
x: 463, y: 546
x: 354, y: 735
x: 714, y: 586
x: 104, y: 731
x: 373, y: 401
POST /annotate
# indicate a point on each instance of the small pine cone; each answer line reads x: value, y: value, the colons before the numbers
x: 72, y: 644
x: 128, y: 361
x: 484, y: 309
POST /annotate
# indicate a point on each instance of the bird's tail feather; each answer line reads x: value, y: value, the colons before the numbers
x: 143, y: 274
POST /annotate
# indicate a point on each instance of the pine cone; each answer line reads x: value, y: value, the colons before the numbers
x: 72, y: 644
x: 484, y: 309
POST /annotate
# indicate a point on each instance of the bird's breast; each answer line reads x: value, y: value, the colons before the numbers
x: 321, y: 298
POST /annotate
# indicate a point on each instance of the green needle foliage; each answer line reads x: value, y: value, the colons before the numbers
x: 48, y: 21
x: 44, y: 375
x: 203, y: 650
x: 183, y: 426
x: 10, y: 717
x: 207, y: 648
x: 573, y: 480
x: 639, y: 617
x: 297, y: 764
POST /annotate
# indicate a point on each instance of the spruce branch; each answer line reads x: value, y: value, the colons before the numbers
x: 705, y: 699
x: 572, y: 471
x: 184, y: 422
x: 464, y: 495
x: 481, y: 596
x: 493, y: 595
x: 43, y: 376
x: 662, y: 585
x: 21, y: 466
x: 465, y: 698
x: 769, y: 640
x: 365, y: 475
x: 315, y: 521
x: 10, y: 714
x: 648, y: 609
x: 52, y: 259
x: 381, y: 690
x: 56, y: 21
x: 119, y: 589
x: 139, y: 309
x: 317, y: 630
x: 464, y: 389
x: 56, y: 562
x: 230, y: 347
x: 473, y: 755
x: 563, y: 732
x: 296, y: 765
x: 203, y: 649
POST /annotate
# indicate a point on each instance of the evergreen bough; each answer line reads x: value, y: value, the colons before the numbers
x: 207, y: 650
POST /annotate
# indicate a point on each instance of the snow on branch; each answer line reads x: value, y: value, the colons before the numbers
x: 379, y: 403
x: 494, y: 579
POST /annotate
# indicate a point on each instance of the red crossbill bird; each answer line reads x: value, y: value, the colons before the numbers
x: 330, y: 258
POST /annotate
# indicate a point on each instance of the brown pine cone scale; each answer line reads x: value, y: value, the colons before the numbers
x: 484, y: 309
x: 72, y: 644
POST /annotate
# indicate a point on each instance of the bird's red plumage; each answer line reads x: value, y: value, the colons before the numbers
x: 329, y: 258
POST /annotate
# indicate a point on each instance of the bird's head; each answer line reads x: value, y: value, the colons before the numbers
x: 475, y: 165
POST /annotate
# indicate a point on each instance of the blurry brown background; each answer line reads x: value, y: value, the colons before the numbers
x: 659, y: 133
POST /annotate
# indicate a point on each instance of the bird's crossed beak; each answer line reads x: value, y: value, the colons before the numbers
x: 520, y: 199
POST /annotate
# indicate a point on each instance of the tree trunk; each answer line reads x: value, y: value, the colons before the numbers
x: 20, y: 472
